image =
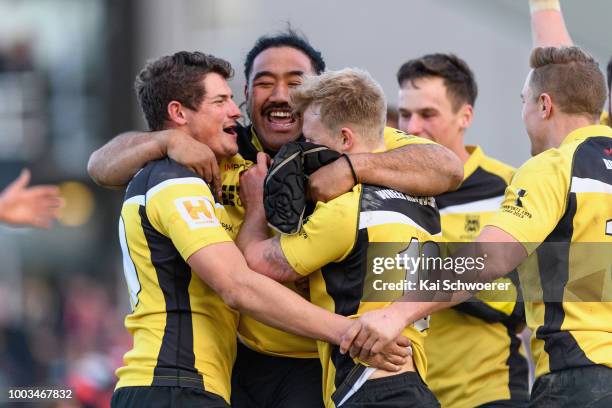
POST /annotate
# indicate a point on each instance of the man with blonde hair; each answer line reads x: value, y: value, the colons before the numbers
x: 555, y: 224
x: 346, y: 112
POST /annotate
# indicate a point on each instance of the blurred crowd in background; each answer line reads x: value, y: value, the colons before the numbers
x: 66, y: 73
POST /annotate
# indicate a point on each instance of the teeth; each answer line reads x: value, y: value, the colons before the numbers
x: 280, y: 114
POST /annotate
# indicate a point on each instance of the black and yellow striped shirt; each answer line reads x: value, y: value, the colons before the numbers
x: 252, y: 333
x: 334, y: 246
x: 559, y: 206
x: 472, y: 349
x: 184, y: 335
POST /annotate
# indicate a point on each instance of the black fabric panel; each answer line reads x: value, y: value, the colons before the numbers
x: 138, y: 184
x: 245, y: 147
x: 553, y: 264
x: 167, y: 169
x: 480, y: 185
x: 517, y: 368
x: 588, y: 159
x: 344, y: 283
x: 176, y: 359
x: 424, y: 215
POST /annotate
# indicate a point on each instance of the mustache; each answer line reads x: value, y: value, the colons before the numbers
x: 276, y: 105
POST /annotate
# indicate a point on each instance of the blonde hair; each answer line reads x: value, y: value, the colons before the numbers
x: 571, y: 77
x: 346, y: 97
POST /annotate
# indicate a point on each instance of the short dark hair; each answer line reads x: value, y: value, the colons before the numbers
x: 176, y: 77
x: 457, y: 75
x: 571, y: 77
x: 288, y: 38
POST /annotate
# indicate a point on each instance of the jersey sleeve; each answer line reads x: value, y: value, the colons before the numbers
x: 535, y: 200
x: 183, y: 209
x: 328, y: 235
x: 395, y: 138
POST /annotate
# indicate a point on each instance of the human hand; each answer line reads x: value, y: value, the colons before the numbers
x: 372, y: 332
x: 194, y: 155
x: 36, y: 206
x: 330, y: 181
x: 252, y: 184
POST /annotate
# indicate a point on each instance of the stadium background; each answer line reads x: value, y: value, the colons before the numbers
x: 66, y: 73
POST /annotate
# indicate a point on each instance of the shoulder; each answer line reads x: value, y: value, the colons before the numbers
x: 498, y: 168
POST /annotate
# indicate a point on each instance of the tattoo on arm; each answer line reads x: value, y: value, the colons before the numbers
x: 274, y: 256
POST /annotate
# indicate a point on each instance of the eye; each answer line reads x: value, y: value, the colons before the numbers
x: 264, y: 84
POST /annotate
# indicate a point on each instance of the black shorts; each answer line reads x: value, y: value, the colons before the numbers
x: 263, y: 381
x: 165, y: 397
x: 404, y: 390
x: 574, y: 387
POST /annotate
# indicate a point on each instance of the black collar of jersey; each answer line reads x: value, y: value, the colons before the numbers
x: 247, y: 149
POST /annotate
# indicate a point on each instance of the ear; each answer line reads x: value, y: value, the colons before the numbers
x: 176, y: 113
x: 466, y: 115
x: 347, y: 138
x: 545, y: 105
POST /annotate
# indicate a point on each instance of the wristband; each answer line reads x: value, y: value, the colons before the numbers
x: 540, y: 5
x: 348, y: 160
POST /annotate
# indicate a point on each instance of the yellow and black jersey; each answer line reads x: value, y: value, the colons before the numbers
x: 464, y: 375
x: 333, y: 248
x: 184, y: 335
x: 252, y: 333
x: 559, y: 206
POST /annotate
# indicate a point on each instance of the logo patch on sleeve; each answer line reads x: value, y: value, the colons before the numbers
x: 198, y: 212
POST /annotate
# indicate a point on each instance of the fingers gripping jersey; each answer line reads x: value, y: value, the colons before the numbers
x: 563, y: 199
x: 184, y: 335
x: 333, y: 247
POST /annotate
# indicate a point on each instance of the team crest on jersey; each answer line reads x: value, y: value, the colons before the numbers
x: 198, y: 212
x: 472, y: 223
x: 520, y: 194
x: 608, y: 163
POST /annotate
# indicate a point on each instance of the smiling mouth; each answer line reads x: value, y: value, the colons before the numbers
x: 231, y: 130
x: 280, y: 117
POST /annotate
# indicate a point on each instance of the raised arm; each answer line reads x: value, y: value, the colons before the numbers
x: 547, y: 24
x: 114, y: 164
x: 417, y: 169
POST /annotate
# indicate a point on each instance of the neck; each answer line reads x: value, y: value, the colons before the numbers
x: 366, y: 147
x: 458, y: 148
x: 563, y: 126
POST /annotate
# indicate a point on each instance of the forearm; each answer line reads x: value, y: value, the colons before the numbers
x: 254, y: 229
x: 114, y: 164
x: 280, y: 307
x: 547, y: 24
x: 418, y: 169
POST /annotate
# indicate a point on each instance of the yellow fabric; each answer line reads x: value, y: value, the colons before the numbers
x: 474, y: 370
x: 181, y: 218
x: 252, y: 333
x: 555, y: 195
x: 605, y: 119
x: 331, y: 234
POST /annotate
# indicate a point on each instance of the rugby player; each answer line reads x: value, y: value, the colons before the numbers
x: 346, y: 111
x: 548, y: 29
x: 183, y: 270
x: 436, y: 101
x: 274, y: 368
x: 561, y: 196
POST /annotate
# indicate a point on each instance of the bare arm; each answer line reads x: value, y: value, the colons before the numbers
x: 114, y: 164
x: 378, y: 328
x: 547, y: 24
x: 417, y: 169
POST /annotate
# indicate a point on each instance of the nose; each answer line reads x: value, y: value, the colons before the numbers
x: 414, y: 125
x: 234, y: 111
x: 280, y: 93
